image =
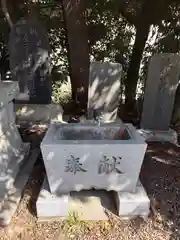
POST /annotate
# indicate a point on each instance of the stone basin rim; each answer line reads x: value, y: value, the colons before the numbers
x: 135, y: 138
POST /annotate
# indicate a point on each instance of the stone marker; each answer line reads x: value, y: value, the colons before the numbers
x: 161, y: 85
x: 104, y: 89
x: 29, y: 60
x: 84, y: 156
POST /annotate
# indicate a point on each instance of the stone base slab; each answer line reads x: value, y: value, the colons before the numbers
x: 86, y: 205
x: 133, y: 204
x: 159, y: 136
x: 50, y: 205
x: 38, y: 113
x: 9, y: 204
x: 91, y: 204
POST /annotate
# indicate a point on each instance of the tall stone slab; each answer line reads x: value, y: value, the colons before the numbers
x: 29, y: 60
x: 161, y: 85
x: 104, y: 89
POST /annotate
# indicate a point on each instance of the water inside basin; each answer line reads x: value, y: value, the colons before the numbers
x: 92, y: 133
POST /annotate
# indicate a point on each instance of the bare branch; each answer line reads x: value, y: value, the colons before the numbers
x: 6, y: 13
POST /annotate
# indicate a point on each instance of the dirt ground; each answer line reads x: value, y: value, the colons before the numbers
x: 160, y: 175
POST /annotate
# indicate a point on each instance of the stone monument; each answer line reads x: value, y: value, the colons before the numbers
x: 29, y: 60
x: 104, y: 90
x: 161, y: 85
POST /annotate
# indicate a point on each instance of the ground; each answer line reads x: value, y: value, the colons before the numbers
x: 160, y: 175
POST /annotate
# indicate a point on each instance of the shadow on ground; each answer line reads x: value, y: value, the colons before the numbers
x: 160, y: 175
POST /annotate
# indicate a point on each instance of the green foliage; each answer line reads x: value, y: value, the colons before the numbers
x: 111, y: 27
x: 62, y: 92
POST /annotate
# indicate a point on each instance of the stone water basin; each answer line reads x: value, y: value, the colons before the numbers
x: 86, y: 132
x: 80, y: 156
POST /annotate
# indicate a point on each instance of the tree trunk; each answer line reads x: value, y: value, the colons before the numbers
x: 133, y: 71
x: 78, y: 49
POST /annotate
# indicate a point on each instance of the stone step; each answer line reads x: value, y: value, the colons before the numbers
x: 7, y: 177
x: 91, y: 204
x: 9, y: 203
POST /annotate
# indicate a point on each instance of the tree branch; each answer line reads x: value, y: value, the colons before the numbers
x: 6, y: 13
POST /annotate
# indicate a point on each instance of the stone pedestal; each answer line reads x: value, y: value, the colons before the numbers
x: 161, y: 85
x: 104, y: 89
x: 51, y: 206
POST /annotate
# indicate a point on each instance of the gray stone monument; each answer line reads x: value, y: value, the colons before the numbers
x: 161, y: 85
x: 29, y: 60
x: 104, y: 89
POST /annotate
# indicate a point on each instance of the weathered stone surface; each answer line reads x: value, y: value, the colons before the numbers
x: 11, y: 143
x: 159, y: 136
x: 133, y: 204
x: 84, y: 120
x: 7, y: 117
x: 9, y: 204
x: 161, y: 85
x: 8, y: 173
x: 39, y: 113
x: 8, y: 91
x: 104, y: 89
x: 29, y: 60
x: 80, y: 203
x: 79, y: 156
x: 51, y: 205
